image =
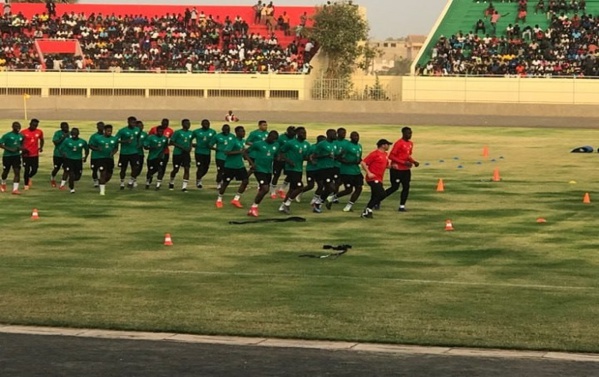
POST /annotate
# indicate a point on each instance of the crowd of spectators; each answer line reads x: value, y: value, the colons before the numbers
x: 565, y: 46
x: 188, y: 42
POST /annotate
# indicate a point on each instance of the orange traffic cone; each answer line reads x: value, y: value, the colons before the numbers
x: 35, y: 215
x: 485, y: 151
x: 496, y: 177
x: 448, y: 225
x: 541, y: 220
x: 167, y: 240
x: 440, y: 186
x: 586, y: 199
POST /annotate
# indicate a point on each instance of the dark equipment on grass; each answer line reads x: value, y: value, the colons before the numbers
x: 296, y: 219
x: 338, y: 251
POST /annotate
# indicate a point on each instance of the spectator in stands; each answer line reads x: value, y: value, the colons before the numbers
x: 258, y: 12
x: 480, y: 26
x: 51, y: 8
x: 6, y: 9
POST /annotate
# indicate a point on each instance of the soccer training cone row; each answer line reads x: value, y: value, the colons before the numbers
x: 35, y: 215
x: 448, y: 225
x: 586, y: 199
x: 167, y: 240
x: 440, y: 186
x: 496, y: 177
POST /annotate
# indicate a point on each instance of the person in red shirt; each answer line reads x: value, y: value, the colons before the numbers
x: 375, y: 165
x: 33, y: 145
x: 401, y: 162
x: 168, y: 132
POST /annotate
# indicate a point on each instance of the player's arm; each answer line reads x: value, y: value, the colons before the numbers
x: 93, y: 147
x: 42, y: 142
x: 58, y: 142
x: 86, y: 147
x: 364, y: 164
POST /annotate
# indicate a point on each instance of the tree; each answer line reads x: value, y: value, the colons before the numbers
x: 340, y: 30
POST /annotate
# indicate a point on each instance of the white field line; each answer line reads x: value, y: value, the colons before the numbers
x: 297, y: 276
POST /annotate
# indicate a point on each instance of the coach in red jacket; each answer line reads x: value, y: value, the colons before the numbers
x: 401, y: 162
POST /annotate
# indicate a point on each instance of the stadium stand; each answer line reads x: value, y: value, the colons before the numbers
x: 153, y: 38
x: 521, y: 38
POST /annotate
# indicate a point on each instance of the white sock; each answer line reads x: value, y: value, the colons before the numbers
x: 63, y: 183
x: 158, y: 183
x: 3, y: 182
x: 273, y: 189
x: 102, y: 189
x: 185, y: 181
x: 220, y: 198
x: 254, y: 205
x: 15, y: 186
x: 237, y: 196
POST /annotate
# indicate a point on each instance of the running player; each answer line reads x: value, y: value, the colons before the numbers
x: 351, y: 175
x: 325, y: 161
x: 155, y: 144
x: 375, y: 165
x: 57, y: 139
x: 168, y: 133
x: 294, y: 152
x: 264, y: 154
x: 279, y: 166
x: 72, y: 152
x: 203, y: 137
x: 401, y: 163
x: 33, y: 145
x: 94, y: 154
x: 181, y: 154
x: 235, y: 168
x: 105, y: 148
x: 143, y: 135
x: 129, y: 154
x: 311, y: 170
x: 219, y: 144
x: 12, y: 143
x: 339, y: 144
x: 256, y: 135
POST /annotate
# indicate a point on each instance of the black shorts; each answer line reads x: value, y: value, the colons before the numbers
x: 74, y: 167
x: 181, y: 160
x: 277, y: 167
x: 263, y: 178
x: 11, y: 162
x: 104, y: 165
x: 129, y: 159
x: 235, y: 174
x: 166, y: 158
x: 58, y: 162
x: 326, y: 175
x: 294, y: 178
x: 352, y: 180
x: 202, y: 160
x: 155, y: 165
x: 93, y: 163
x: 337, y: 171
x: 311, y: 176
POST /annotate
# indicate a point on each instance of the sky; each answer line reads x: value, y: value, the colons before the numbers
x: 387, y: 18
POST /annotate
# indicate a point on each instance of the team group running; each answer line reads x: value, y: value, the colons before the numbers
x: 333, y: 164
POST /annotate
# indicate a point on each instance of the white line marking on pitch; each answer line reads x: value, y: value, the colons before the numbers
x: 296, y: 276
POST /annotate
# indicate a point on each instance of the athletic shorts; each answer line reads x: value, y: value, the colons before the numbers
x: 277, y: 167
x: 352, y: 180
x: 263, y: 178
x: 93, y: 163
x: 58, y: 162
x: 235, y: 174
x: 337, y: 171
x: 182, y: 160
x: 202, y: 160
x: 311, y: 176
x: 129, y: 159
x: 294, y: 178
x: 13, y: 162
x: 104, y: 165
x: 155, y: 165
x: 326, y: 175
x: 74, y: 167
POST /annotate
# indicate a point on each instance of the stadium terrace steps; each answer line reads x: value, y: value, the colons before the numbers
x: 462, y: 15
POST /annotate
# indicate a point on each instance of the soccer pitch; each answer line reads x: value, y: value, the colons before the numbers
x: 500, y: 279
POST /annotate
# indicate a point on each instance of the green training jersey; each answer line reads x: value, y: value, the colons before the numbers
x: 129, y: 138
x: 325, y: 154
x: 203, y: 138
x: 12, y: 140
x: 155, y: 145
x: 143, y: 135
x: 295, y: 151
x: 264, y: 155
x: 220, y: 142
x: 181, y: 138
x: 92, y: 142
x: 311, y: 165
x: 107, y: 145
x: 57, y: 136
x: 234, y: 161
x: 339, y: 144
x: 352, y: 156
x: 254, y: 137
x: 284, y: 139
x: 73, y: 148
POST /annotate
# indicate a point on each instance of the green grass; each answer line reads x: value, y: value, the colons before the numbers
x: 499, y: 280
